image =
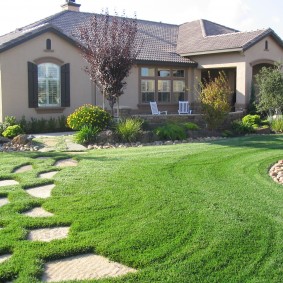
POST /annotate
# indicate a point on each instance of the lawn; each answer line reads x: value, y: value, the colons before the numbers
x: 199, y: 212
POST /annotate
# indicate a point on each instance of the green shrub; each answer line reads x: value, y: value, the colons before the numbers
x: 12, y: 131
x: 191, y: 126
x: 89, y: 115
x: 171, y: 131
x: 239, y: 128
x: 277, y: 124
x: 128, y: 130
x: 35, y: 125
x: 86, y: 134
x: 252, y: 120
x: 8, y: 121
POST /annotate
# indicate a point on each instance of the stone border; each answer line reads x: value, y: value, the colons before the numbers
x: 276, y: 172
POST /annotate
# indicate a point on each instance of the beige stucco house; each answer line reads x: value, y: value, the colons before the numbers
x: 41, y: 69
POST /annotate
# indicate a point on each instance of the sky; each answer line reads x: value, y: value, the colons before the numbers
x: 244, y: 15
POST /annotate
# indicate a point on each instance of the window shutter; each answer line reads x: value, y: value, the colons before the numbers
x: 32, y: 85
x: 65, y: 85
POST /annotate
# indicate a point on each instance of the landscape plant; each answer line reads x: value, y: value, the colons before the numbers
x: 128, y: 129
x: 276, y: 124
x: 110, y: 46
x: 12, y: 131
x: 171, y: 131
x: 214, y: 98
x: 270, y: 85
x: 198, y: 212
x: 86, y: 135
x: 89, y: 115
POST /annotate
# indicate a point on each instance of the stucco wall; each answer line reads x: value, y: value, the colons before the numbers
x: 0, y: 92
x: 15, y: 77
x: 243, y: 62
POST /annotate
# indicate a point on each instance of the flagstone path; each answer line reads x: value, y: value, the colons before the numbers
x: 38, y: 212
x: 80, y: 267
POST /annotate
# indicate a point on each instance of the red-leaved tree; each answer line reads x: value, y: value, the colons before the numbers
x: 109, y: 46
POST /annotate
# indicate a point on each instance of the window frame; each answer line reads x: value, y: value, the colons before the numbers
x: 159, y: 96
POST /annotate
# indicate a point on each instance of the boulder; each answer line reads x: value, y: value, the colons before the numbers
x: 22, y: 139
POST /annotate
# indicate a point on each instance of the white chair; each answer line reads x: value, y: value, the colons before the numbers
x: 184, y: 108
x: 154, y: 109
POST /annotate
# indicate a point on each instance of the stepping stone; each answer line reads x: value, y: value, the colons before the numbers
x: 83, y: 267
x: 41, y: 191
x: 66, y: 163
x: 3, y: 201
x: 48, y: 234
x: 22, y: 169
x: 8, y: 183
x: 48, y: 175
x: 4, y: 257
x: 38, y: 212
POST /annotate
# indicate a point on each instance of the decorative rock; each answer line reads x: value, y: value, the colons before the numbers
x: 276, y: 172
x: 22, y: 139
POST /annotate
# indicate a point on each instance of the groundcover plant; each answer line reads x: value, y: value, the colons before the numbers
x: 199, y: 212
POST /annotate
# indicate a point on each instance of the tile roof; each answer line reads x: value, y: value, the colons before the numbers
x: 209, y: 37
x: 162, y: 42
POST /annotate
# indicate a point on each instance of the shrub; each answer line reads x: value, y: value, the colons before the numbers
x: 191, y: 126
x: 171, y: 131
x: 8, y: 121
x: 12, y: 131
x: 86, y: 134
x: 277, y: 124
x: 214, y: 100
x: 239, y: 128
x: 129, y: 129
x: 89, y: 115
x: 252, y: 120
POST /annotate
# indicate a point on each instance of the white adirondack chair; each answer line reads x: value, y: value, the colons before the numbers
x: 154, y: 109
x: 184, y: 108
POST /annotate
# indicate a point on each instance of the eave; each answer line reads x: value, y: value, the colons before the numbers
x: 208, y: 52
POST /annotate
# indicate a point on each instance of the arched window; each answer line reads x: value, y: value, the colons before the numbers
x: 49, y: 86
x: 48, y: 44
x: 266, y: 45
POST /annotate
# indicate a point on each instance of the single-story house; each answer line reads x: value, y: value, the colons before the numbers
x: 41, y: 69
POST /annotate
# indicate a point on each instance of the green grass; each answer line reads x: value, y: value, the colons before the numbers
x: 202, y: 212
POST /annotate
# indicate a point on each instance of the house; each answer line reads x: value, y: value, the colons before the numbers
x: 41, y: 69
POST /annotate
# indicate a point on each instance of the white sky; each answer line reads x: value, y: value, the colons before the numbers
x: 244, y: 15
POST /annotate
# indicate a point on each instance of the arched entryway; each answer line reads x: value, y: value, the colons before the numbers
x: 257, y: 66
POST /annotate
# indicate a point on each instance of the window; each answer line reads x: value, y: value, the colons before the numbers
x: 163, y: 73
x: 147, y: 90
x: 147, y: 72
x: 178, y: 91
x: 163, y: 85
x: 48, y: 44
x: 164, y: 89
x: 48, y: 85
x: 266, y: 45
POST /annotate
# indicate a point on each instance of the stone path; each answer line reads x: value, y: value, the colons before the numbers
x: 48, y: 234
x: 80, y: 267
x: 41, y: 192
x: 38, y: 212
x: 4, y: 257
x: 83, y: 267
x: 22, y: 169
x: 3, y: 201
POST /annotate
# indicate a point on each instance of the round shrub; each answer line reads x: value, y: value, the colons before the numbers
x: 89, y: 115
x: 251, y: 120
x: 171, y: 131
x: 12, y: 131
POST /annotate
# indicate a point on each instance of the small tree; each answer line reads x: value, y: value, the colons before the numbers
x: 270, y: 85
x: 109, y: 46
x: 214, y: 99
